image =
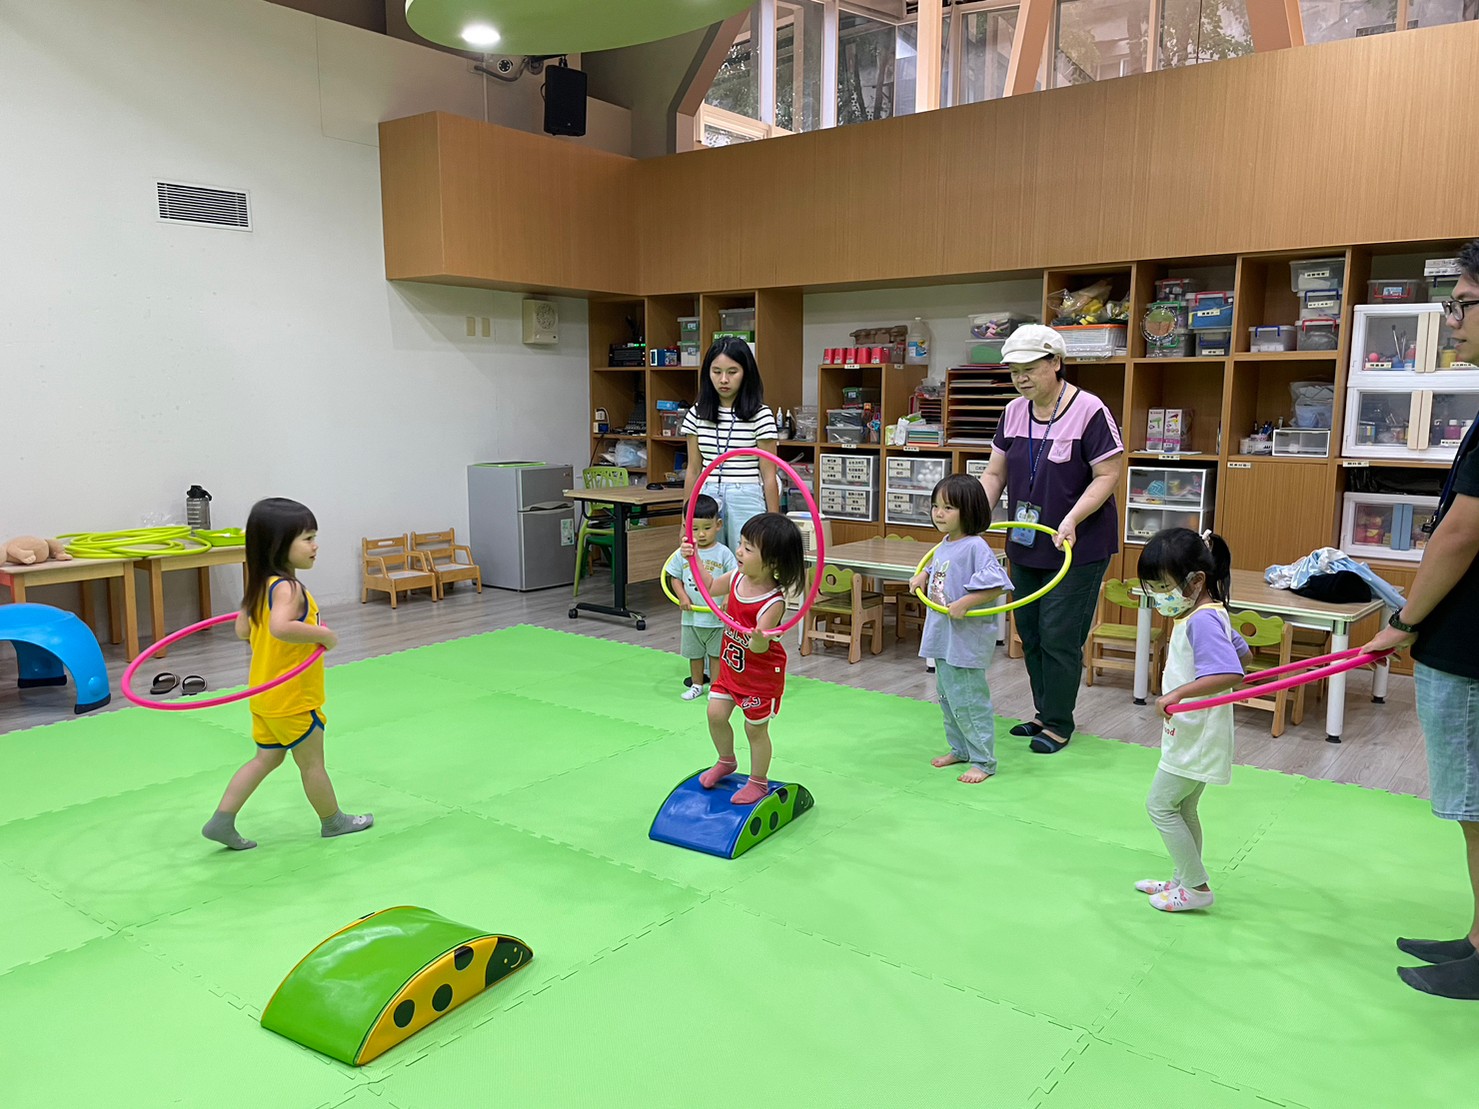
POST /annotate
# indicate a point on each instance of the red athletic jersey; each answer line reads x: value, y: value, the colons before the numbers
x: 745, y: 672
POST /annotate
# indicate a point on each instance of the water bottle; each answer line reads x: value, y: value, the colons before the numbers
x: 919, y: 343
x: 198, y: 508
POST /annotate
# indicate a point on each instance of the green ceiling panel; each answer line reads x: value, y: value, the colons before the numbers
x: 563, y: 26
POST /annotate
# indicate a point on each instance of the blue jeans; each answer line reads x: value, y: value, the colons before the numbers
x: 1053, y: 631
x: 737, y: 503
x: 1448, y: 708
x: 970, y: 725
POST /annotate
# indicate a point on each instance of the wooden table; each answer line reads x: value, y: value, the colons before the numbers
x: 1249, y: 590
x: 200, y: 561
x: 645, y: 559
x: 81, y: 571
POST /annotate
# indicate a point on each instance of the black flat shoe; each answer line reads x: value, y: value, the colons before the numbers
x: 163, y: 683
x: 1026, y: 730
x: 1047, y: 745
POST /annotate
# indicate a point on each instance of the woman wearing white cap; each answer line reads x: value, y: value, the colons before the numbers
x: 1058, y: 455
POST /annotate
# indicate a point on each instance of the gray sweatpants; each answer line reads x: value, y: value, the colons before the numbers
x: 970, y: 723
x: 1172, y: 805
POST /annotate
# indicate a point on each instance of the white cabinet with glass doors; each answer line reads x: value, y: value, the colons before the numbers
x: 1401, y: 402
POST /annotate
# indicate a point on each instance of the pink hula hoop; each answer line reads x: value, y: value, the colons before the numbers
x: 816, y: 516
x: 1299, y: 673
x: 210, y: 702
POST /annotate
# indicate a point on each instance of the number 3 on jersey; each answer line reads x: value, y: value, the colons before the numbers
x: 734, y: 655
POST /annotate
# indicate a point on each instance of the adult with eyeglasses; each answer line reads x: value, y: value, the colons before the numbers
x: 1440, y: 622
x: 1058, y: 455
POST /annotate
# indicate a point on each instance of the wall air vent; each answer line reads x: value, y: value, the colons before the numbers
x: 204, y: 206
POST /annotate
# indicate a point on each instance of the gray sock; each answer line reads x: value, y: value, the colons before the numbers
x: 1438, y: 951
x: 222, y: 829
x: 342, y: 823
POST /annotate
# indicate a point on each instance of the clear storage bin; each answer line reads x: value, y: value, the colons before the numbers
x: 1098, y: 340
x: 1394, y: 290
x: 737, y: 319
x: 1319, y: 304
x: 1312, y: 274
x: 1385, y: 525
x: 1300, y: 442
x: 1317, y: 335
x: 1214, y: 344
x: 1271, y: 338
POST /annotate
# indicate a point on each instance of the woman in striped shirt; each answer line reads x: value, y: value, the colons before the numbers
x: 731, y: 413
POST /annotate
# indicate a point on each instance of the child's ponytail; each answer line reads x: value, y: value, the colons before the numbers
x: 1219, y: 581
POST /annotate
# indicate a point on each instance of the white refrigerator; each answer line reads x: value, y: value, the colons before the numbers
x: 521, y: 527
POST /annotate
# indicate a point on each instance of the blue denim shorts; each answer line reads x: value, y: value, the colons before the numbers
x: 1448, y: 707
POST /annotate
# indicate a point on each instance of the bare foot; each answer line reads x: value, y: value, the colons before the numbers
x: 973, y: 775
x: 945, y: 760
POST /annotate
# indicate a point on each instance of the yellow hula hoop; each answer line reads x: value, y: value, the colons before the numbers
x: 993, y: 610
x: 668, y: 589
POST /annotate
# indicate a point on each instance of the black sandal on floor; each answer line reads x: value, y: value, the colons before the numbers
x: 163, y: 683
x: 1026, y: 730
x: 192, y: 684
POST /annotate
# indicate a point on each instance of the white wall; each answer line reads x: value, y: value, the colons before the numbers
x: 829, y: 318
x: 139, y: 357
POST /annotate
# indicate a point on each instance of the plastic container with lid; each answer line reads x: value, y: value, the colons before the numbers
x: 1319, y: 304
x: 1310, y: 274
x: 737, y: 319
x: 1211, y: 310
x: 1214, y: 343
x: 1317, y: 335
x: 1394, y: 290
x: 1270, y: 338
x: 1176, y: 288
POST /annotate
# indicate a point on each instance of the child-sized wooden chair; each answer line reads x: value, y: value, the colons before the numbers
x: 1270, y: 639
x: 391, y: 566
x: 451, y: 561
x: 909, y: 611
x: 1111, y: 646
x: 842, y: 610
x: 596, y: 525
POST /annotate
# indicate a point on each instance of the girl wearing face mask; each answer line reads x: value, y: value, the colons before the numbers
x: 1187, y: 576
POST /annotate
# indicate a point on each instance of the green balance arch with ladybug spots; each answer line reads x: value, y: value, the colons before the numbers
x: 705, y: 819
x: 385, y: 977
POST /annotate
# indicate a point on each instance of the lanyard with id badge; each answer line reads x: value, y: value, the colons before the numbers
x: 1027, y: 512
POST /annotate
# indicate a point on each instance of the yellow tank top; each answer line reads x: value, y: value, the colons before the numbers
x: 271, y: 657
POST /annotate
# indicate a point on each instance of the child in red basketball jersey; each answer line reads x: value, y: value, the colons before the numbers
x: 752, y: 669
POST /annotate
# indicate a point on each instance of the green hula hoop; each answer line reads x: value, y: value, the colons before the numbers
x: 668, y: 589
x: 993, y: 610
x: 136, y: 542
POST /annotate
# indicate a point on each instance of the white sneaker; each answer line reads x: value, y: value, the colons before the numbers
x: 1155, y: 885
x: 1180, y: 899
x: 694, y: 692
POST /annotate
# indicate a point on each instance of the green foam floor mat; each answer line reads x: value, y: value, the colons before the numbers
x: 910, y: 941
x: 749, y: 1007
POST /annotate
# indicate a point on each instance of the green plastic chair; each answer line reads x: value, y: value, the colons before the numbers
x: 594, y: 533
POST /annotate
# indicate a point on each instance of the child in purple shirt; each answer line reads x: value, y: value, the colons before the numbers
x: 963, y: 574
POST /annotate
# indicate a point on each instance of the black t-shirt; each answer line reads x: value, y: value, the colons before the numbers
x: 1447, y: 639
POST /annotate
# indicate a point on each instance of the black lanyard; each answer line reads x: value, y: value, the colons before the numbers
x: 728, y: 437
x: 1445, y: 499
x: 1033, y: 458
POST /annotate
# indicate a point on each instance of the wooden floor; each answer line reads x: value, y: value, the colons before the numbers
x: 1382, y: 746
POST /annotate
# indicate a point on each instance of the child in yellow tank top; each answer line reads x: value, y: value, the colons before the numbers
x: 280, y: 619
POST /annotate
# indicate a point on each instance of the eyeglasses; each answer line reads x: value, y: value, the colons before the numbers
x: 1454, y: 309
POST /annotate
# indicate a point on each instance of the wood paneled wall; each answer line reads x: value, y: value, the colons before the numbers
x: 1350, y: 142
x: 469, y: 203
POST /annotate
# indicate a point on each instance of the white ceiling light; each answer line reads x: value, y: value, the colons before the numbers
x: 479, y: 34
